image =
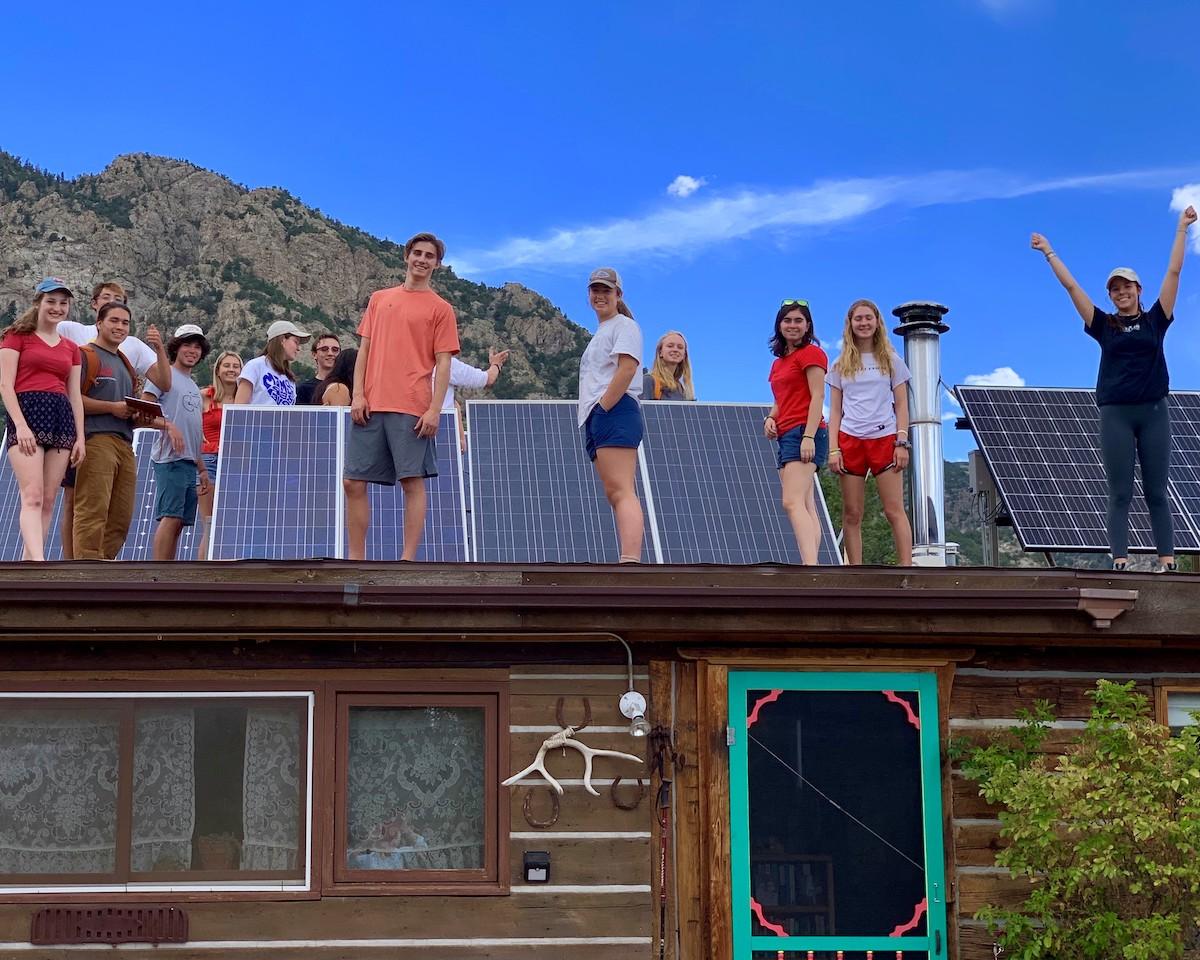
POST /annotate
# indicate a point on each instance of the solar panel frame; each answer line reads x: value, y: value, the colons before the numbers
x: 506, y: 434
x: 1051, y: 480
x: 730, y: 510
x: 325, y: 518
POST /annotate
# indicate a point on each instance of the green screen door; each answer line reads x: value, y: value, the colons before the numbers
x: 835, y: 803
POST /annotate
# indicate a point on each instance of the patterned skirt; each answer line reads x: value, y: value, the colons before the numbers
x: 49, y: 416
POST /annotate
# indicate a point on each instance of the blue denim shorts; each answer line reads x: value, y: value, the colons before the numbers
x: 619, y: 427
x: 210, y: 464
x: 175, y: 490
x: 789, y: 446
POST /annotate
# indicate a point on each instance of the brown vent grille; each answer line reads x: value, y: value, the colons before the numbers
x: 109, y: 925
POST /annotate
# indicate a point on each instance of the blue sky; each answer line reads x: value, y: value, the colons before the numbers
x: 895, y: 151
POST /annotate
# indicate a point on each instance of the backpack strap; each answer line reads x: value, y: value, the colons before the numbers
x: 91, y: 369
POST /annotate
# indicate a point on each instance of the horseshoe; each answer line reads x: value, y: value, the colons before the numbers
x: 587, y: 715
x: 628, y: 804
x: 527, y: 809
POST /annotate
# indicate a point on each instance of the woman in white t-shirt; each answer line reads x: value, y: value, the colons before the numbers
x: 868, y: 419
x: 609, y: 412
x: 268, y: 379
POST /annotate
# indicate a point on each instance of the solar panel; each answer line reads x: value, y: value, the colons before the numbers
x: 10, y: 510
x: 535, y: 497
x: 1043, y: 449
x: 279, y: 490
x: 714, y: 484
x: 139, y: 543
x: 445, y: 536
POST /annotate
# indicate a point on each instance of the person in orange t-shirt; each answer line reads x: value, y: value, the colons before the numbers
x: 407, y: 336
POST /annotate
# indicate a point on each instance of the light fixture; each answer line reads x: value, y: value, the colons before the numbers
x: 633, y: 706
x: 536, y: 864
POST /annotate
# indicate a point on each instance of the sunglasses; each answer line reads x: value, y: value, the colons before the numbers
x: 794, y: 303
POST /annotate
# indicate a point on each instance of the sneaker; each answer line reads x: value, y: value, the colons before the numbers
x: 1166, y: 568
x: 1120, y: 566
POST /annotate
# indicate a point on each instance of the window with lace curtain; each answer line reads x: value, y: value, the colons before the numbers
x: 418, y: 796
x: 140, y: 789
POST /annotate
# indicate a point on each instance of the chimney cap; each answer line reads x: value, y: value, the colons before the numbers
x: 921, y: 313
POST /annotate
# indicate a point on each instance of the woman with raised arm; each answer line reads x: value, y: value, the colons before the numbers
x: 798, y: 384
x: 1131, y: 391
x: 609, y: 411
x: 670, y: 377
x: 868, y: 419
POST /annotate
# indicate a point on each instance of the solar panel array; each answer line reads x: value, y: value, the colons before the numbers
x: 707, y: 478
x: 1043, y: 449
x: 140, y: 541
x: 280, y: 497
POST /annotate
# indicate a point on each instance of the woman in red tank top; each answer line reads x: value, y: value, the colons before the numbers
x: 224, y: 387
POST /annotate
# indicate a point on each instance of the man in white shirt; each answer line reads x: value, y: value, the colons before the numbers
x: 144, y: 359
x: 467, y: 377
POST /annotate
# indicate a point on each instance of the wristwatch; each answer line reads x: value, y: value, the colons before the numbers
x: 903, y: 443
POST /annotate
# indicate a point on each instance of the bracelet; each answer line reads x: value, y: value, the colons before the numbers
x: 807, y: 437
x: 768, y: 417
x: 1049, y: 255
x: 832, y: 452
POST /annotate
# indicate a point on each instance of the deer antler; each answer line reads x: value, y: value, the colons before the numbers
x: 566, y: 738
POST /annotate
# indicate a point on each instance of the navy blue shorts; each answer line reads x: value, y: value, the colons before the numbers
x: 619, y: 427
x: 49, y: 417
x: 789, y: 446
x: 175, y: 490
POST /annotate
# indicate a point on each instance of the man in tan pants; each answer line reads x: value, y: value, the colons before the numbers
x: 105, y: 489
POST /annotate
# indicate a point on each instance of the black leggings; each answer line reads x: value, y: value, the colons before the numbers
x: 1146, y: 429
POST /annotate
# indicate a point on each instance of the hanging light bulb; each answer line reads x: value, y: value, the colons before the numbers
x: 633, y: 706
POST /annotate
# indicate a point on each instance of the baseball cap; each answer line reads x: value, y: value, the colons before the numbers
x: 1122, y: 273
x: 282, y: 328
x: 188, y: 330
x: 50, y: 284
x: 607, y: 276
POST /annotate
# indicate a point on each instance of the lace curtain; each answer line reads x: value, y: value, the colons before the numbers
x: 164, y: 789
x: 415, y: 792
x: 58, y: 791
x: 271, y: 790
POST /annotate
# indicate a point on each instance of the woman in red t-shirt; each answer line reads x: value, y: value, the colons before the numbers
x: 39, y: 382
x: 226, y: 369
x: 798, y: 385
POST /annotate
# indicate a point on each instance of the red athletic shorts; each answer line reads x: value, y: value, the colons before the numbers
x: 860, y: 456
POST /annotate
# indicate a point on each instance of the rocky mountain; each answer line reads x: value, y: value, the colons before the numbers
x: 193, y: 247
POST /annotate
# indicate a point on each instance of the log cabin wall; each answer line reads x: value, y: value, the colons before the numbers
x: 596, y: 905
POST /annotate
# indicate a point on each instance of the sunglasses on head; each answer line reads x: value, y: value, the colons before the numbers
x: 794, y: 303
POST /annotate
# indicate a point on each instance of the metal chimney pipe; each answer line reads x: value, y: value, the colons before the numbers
x: 921, y: 327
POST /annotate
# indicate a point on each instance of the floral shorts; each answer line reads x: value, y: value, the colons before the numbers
x: 49, y: 416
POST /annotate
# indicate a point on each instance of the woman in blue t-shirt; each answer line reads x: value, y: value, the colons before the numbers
x: 1131, y: 391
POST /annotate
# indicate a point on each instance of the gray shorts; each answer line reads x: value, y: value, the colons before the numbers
x: 387, y: 449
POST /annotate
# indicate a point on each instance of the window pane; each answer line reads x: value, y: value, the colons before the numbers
x: 216, y: 787
x: 415, y: 793
x: 836, y: 821
x: 1179, y: 709
x: 58, y: 791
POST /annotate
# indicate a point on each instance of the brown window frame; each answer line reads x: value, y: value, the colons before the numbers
x: 492, y: 878
x: 124, y: 706
x: 1163, y: 691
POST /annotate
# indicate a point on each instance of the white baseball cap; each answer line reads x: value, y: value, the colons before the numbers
x: 1122, y: 273
x: 282, y: 328
x: 188, y: 330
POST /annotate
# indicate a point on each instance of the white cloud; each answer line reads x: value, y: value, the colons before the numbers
x: 1000, y: 377
x: 1188, y: 196
x: 676, y: 230
x: 953, y: 400
x: 684, y: 186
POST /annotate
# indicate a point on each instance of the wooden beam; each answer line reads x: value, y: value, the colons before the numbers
x: 689, y: 831
x: 661, y: 714
x: 713, y: 685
